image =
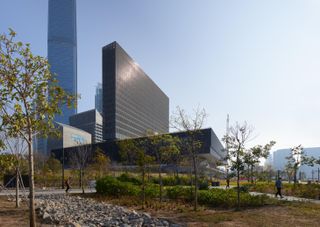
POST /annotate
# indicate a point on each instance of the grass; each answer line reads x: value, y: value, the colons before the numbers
x: 274, y: 213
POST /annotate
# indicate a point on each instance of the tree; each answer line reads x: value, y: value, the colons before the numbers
x: 17, y: 148
x: 252, y: 157
x: 79, y: 159
x: 192, y: 125
x: 236, y: 140
x: 135, y: 152
x: 296, y: 159
x: 25, y: 85
x: 164, y: 147
x: 101, y: 162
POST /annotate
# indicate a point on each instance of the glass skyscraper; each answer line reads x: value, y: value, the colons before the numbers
x: 98, y: 98
x: 62, y: 49
x: 62, y: 57
x: 132, y: 102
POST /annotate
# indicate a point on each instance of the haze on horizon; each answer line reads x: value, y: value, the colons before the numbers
x: 258, y: 61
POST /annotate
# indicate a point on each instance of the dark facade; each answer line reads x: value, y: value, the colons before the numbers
x: 211, y: 147
x: 132, y: 102
x: 89, y: 121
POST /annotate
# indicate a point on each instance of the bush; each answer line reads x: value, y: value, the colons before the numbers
x: 152, y: 191
x: 129, y: 178
x: 180, y: 192
x: 228, y: 198
x: 113, y: 187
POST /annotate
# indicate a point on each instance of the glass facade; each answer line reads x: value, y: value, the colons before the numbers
x: 98, y: 98
x: 132, y: 102
x: 62, y: 49
x: 89, y: 121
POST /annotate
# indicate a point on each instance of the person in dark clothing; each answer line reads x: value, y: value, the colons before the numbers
x: 228, y: 182
x: 278, y: 185
x: 67, y: 182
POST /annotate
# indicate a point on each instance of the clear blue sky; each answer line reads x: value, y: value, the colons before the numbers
x: 257, y: 60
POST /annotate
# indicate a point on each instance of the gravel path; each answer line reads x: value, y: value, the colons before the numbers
x: 77, y: 211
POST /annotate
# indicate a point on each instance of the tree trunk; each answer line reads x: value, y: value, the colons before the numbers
x: 251, y: 174
x: 238, y: 181
x: 195, y: 183
x: 17, y: 187
x: 32, y: 213
x: 81, y: 180
x: 295, y: 176
x: 143, y: 187
x: 62, y: 181
x: 160, y: 182
x: 238, y: 191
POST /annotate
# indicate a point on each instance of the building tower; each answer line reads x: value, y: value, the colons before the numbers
x: 62, y: 49
x: 98, y: 98
x: 132, y: 103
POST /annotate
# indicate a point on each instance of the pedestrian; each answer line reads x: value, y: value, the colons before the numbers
x: 228, y: 182
x: 67, y: 182
x: 278, y: 185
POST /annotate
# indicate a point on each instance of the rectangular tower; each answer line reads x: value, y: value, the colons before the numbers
x: 62, y: 49
x: 132, y: 102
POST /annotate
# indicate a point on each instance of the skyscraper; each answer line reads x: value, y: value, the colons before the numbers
x: 62, y: 49
x: 62, y: 56
x: 98, y: 98
x: 132, y: 102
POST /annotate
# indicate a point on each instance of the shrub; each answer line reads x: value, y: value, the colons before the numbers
x: 228, y: 198
x: 129, y: 178
x: 113, y: 187
x: 152, y: 191
x: 180, y: 192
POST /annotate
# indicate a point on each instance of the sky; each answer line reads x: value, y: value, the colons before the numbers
x: 256, y: 60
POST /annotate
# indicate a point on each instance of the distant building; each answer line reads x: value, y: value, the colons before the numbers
x: 98, y: 98
x: 62, y: 49
x: 279, y: 161
x: 62, y: 57
x: 70, y: 137
x: 212, y: 149
x: 89, y: 121
x: 132, y: 102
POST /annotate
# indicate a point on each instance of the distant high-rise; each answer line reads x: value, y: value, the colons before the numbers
x: 89, y: 121
x: 132, y: 102
x: 62, y: 49
x: 98, y: 98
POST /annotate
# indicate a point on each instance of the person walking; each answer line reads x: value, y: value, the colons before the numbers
x: 278, y: 185
x: 67, y: 182
x: 228, y: 182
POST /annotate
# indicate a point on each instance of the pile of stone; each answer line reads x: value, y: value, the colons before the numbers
x: 77, y: 211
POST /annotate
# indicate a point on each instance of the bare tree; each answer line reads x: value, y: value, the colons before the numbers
x: 165, y: 147
x: 17, y: 147
x: 79, y: 159
x: 191, y: 124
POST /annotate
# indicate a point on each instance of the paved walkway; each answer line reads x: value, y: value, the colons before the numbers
x: 285, y: 198
x: 47, y: 191
x: 288, y: 198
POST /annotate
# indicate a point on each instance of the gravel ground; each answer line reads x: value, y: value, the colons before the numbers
x: 77, y: 211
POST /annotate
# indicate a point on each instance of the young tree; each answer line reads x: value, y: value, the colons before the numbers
x: 25, y: 85
x: 253, y: 155
x: 101, y: 162
x: 296, y: 159
x: 192, y: 125
x: 135, y: 152
x: 79, y: 159
x: 164, y: 148
x: 236, y: 140
x: 17, y: 148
